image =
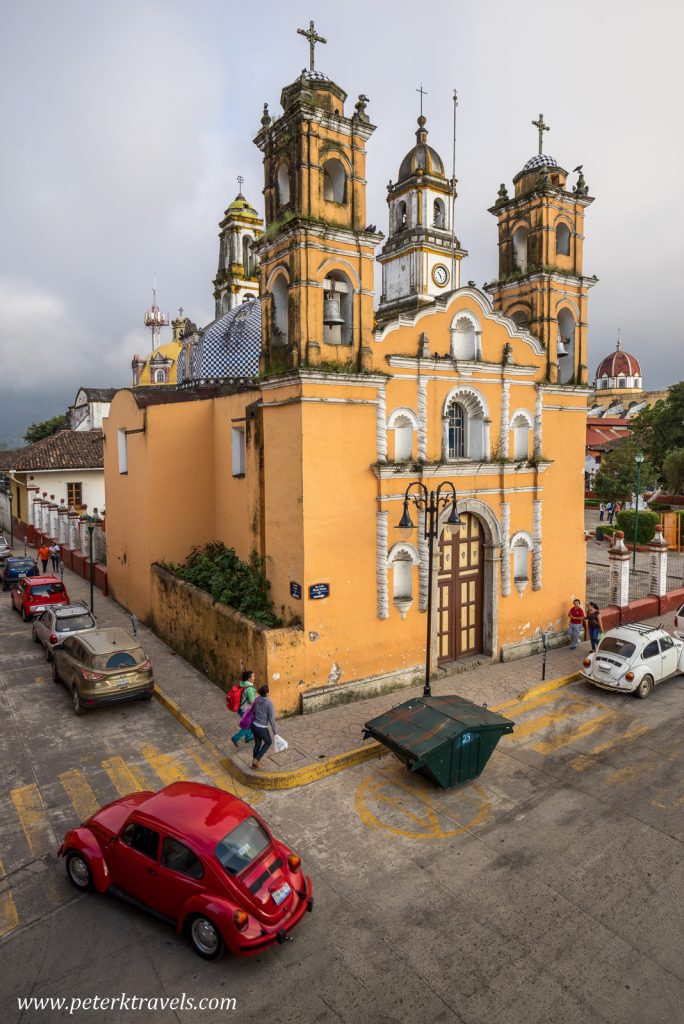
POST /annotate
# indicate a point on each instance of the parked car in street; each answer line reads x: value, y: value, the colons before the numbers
x: 15, y: 569
x: 102, y: 666
x: 5, y: 549
x: 198, y: 857
x: 57, y: 623
x: 633, y: 658
x: 679, y: 622
x: 33, y: 595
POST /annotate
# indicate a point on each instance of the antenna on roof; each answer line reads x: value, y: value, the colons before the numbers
x: 453, y: 197
x: 154, y: 318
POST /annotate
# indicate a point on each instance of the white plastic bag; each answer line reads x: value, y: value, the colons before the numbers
x: 279, y: 744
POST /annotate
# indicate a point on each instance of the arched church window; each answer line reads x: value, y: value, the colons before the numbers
x: 563, y: 240
x: 520, y: 424
x: 400, y: 217
x: 247, y: 256
x: 403, y: 439
x: 334, y: 181
x: 279, y: 310
x: 521, y: 558
x: 283, y: 178
x: 566, y: 346
x: 401, y: 560
x: 463, y: 340
x: 457, y: 431
x: 521, y: 319
x: 159, y: 377
x: 438, y: 214
x: 338, y: 309
x: 520, y: 246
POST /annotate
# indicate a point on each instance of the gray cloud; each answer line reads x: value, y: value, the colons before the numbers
x: 126, y: 124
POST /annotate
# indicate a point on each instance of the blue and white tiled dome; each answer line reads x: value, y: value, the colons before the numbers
x: 228, y: 347
x: 540, y: 160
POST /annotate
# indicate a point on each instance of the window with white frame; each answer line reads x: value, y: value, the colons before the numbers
x: 403, y: 438
x: 520, y: 425
x: 238, y: 453
x: 122, y: 439
x: 457, y: 431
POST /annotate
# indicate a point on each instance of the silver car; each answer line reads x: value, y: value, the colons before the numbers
x: 56, y: 624
x: 5, y: 549
x: 634, y: 658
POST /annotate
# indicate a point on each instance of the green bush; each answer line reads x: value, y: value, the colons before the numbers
x: 646, y: 527
x: 242, y: 585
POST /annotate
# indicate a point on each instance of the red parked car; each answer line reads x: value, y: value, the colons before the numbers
x: 198, y: 857
x: 36, y: 593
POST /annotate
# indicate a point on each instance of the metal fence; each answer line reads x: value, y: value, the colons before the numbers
x: 598, y: 583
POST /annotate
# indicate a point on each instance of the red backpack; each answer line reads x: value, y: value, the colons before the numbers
x: 233, y: 697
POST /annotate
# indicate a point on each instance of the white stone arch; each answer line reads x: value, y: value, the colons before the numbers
x: 563, y: 233
x: 335, y: 263
x: 283, y: 182
x: 465, y: 336
x: 404, y: 423
x: 280, y: 268
x: 402, y: 547
x: 522, y: 538
x: 522, y: 425
x: 521, y: 548
x: 401, y: 559
x: 471, y: 400
x: 279, y: 287
x: 567, y: 303
x: 402, y: 411
x: 520, y: 236
x: 476, y: 440
x: 334, y: 178
x: 524, y: 414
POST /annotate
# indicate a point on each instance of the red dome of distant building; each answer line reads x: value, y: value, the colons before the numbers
x: 618, y: 362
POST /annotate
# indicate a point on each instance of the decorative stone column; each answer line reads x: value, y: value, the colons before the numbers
x: 505, y: 548
x: 422, y: 419
x: 505, y: 413
x: 83, y: 536
x: 62, y: 524
x: 536, y: 544
x: 658, y: 559
x: 52, y: 517
x: 538, y: 406
x: 99, y: 540
x: 381, y: 565
x: 618, y: 560
x: 486, y: 439
x: 74, y: 539
x: 423, y: 550
x: 381, y: 424
x: 445, y: 438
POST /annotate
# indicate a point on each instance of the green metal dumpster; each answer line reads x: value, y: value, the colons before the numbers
x: 599, y: 532
x: 447, y: 739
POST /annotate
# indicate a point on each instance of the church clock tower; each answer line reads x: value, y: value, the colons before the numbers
x: 317, y: 252
x: 421, y: 258
x: 541, y: 284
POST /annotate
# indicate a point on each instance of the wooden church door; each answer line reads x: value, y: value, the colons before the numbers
x: 460, y: 590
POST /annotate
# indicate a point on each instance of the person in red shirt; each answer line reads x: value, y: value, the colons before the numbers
x: 576, y: 616
x: 44, y: 554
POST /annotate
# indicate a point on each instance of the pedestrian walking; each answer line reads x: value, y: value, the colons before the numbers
x: 576, y: 616
x: 618, y: 508
x: 54, y: 556
x: 594, y: 624
x: 264, y: 716
x: 610, y: 511
x: 602, y: 511
x: 247, y: 698
x: 44, y: 554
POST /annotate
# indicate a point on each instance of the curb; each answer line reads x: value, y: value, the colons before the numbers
x: 309, y: 773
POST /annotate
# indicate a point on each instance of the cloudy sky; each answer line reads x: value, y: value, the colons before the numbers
x: 126, y: 123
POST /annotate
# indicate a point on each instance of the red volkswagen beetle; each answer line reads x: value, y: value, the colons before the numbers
x: 198, y: 857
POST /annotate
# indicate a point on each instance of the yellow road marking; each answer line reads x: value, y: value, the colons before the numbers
x: 579, y: 731
x: 34, y: 821
x: 586, y: 760
x: 537, y: 724
x: 168, y: 768
x: 634, y: 769
x: 83, y: 799
x: 218, y: 775
x: 9, y: 918
x: 372, y: 789
x: 125, y: 777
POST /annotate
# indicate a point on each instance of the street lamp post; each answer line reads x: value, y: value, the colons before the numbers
x: 91, y: 523
x: 430, y: 502
x: 638, y: 458
x: 10, y: 498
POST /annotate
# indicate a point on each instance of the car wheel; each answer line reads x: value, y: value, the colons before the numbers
x: 55, y: 673
x: 24, y: 616
x: 205, y: 938
x: 78, y: 872
x: 48, y: 652
x: 35, y: 636
x: 76, y: 701
x: 645, y: 687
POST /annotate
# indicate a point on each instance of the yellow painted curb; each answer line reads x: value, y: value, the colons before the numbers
x: 330, y: 765
x: 176, y: 710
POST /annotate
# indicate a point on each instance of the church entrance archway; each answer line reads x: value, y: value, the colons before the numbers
x: 460, y: 590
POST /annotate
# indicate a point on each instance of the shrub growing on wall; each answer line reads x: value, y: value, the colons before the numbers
x: 242, y: 585
x: 645, y: 530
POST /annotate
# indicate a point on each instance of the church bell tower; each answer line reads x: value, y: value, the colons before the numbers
x: 317, y: 252
x: 541, y: 283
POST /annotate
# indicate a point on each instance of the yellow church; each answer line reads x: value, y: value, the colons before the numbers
x: 300, y: 417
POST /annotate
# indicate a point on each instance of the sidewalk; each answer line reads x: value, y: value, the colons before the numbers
x: 320, y: 743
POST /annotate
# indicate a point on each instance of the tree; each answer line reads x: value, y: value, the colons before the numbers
x: 673, y: 471
x: 37, y: 431
x: 661, y: 429
x: 616, y: 479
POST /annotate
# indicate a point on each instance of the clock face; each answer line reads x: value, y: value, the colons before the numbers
x: 440, y: 275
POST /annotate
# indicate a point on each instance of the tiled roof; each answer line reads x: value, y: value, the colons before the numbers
x: 7, y: 459
x: 98, y: 394
x: 66, y: 449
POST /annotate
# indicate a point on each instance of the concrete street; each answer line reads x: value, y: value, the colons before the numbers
x: 547, y: 891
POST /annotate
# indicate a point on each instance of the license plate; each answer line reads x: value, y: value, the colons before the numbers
x: 281, y: 894
x: 120, y: 683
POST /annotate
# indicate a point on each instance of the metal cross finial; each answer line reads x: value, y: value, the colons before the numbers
x: 180, y: 311
x: 240, y: 180
x: 619, y: 340
x: 422, y: 93
x: 541, y: 128
x: 313, y: 39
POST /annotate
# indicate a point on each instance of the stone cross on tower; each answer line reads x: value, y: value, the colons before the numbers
x: 541, y: 128
x: 313, y: 39
x: 240, y: 181
x: 422, y: 93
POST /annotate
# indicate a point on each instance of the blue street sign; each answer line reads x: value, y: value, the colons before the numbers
x: 295, y: 589
x: 318, y: 591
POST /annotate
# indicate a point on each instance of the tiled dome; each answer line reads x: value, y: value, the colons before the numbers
x: 619, y: 362
x: 228, y: 347
x: 422, y: 157
x: 540, y: 160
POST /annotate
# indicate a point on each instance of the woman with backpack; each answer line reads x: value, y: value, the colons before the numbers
x: 239, y: 699
x: 264, y: 715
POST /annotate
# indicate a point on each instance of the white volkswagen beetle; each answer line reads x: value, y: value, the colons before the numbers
x: 633, y: 658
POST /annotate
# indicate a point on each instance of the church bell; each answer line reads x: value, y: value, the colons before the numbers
x: 332, y: 315
x: 562, y: 347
